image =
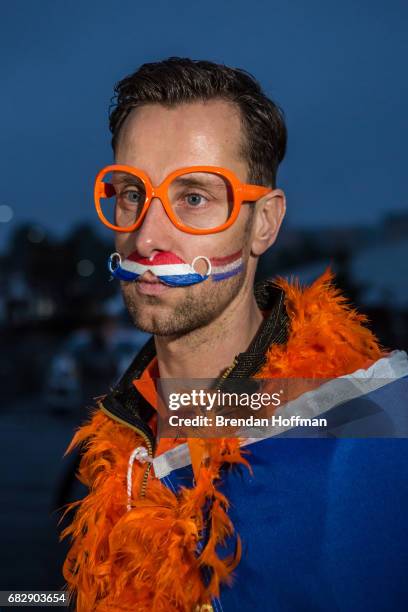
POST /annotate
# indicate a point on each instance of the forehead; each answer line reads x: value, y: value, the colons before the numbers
x: 159, y: 140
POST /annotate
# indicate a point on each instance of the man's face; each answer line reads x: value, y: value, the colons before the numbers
x: 159, y: 140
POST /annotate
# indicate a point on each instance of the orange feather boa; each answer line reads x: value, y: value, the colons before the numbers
x: 145, y: 559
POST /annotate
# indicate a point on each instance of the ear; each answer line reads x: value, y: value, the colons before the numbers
x: 269, y: 213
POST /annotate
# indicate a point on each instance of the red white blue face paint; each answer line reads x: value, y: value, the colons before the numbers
x: 172, y: 270
x: 225, y: 267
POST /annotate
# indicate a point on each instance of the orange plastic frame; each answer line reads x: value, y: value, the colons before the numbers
x: 242, y: 192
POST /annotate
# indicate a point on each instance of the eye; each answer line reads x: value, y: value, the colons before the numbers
x: 195, y: 199
x: 133, y: 196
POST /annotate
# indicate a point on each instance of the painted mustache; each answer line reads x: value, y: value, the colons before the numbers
x: 168, y: 267
x: 172, y: 270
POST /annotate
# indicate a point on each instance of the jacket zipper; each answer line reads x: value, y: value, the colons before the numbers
x: 226, y: 374
x: 146, y: 439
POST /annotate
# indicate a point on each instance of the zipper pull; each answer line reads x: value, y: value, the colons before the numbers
x: 142, y: 455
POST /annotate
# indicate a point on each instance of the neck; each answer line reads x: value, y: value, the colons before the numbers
x: 208, y: 351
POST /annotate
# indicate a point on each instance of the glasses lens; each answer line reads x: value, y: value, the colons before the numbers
x: 122, y: 198
x: 201, y: 200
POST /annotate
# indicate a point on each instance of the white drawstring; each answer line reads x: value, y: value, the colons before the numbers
x: 142, y: 455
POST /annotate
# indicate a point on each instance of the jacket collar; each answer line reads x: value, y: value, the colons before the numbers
x: 126, y: 404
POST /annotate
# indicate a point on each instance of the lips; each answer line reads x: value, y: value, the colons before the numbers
x: 150, y: 287
x: 150, y: 278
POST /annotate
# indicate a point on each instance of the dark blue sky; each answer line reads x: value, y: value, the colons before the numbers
x: 338, y: 69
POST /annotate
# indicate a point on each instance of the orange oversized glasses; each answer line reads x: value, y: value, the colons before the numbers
x: 197, y: 199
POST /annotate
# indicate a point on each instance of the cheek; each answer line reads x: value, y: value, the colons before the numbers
x: 122, y: 243
x: 224, y: 243
x: 225, y: 253
x: 230, y: 242
x: 209, y: 251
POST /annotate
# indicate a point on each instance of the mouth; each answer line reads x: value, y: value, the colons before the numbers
x: 149, y: 284
x: 149, y: 278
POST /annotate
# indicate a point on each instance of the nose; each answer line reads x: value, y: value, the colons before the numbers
x: 155, y: 233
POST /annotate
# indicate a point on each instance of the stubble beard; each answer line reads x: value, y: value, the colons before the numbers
x: 198, y: 306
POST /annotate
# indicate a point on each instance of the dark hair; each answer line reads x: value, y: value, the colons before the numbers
x: 179, y: 80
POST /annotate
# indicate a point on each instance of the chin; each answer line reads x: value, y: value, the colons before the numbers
x: 166, y: 324
x: 147, y: 322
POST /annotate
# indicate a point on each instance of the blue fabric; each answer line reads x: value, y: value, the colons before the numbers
x: 323, y: 523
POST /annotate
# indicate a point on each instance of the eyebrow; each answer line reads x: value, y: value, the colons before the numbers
x: 126, y: 178
x: 197, y: 182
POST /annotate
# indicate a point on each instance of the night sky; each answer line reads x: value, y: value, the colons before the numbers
x: 338, y: 69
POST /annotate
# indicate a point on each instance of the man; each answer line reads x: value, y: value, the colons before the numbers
x: 181, y: 524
